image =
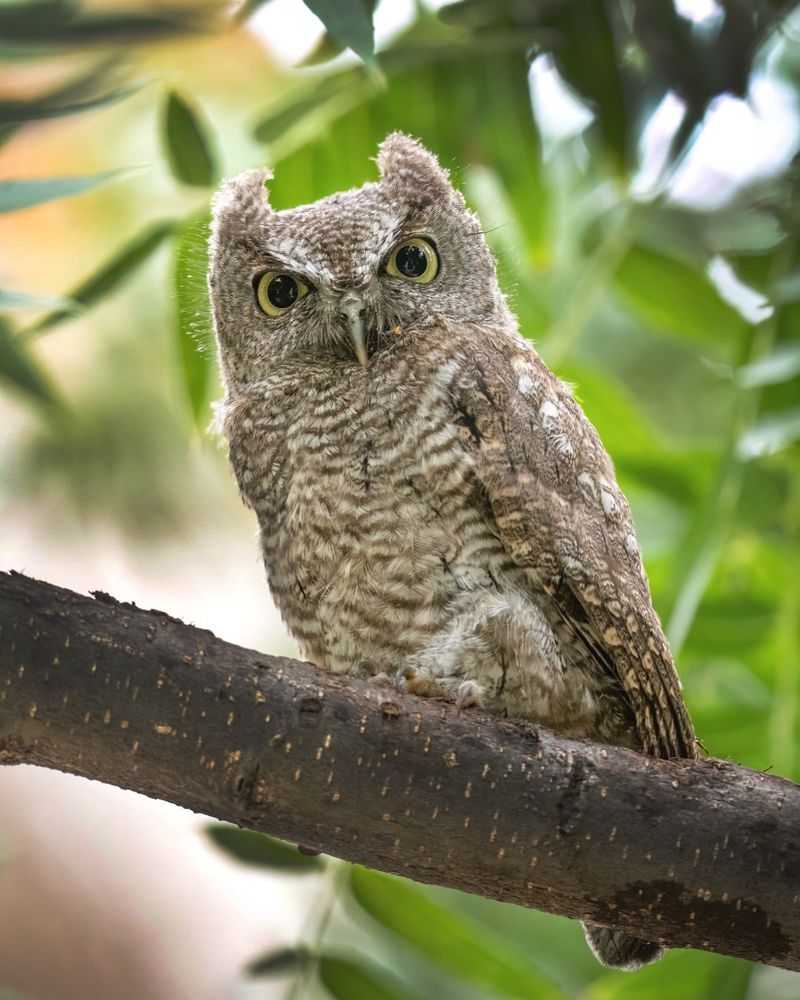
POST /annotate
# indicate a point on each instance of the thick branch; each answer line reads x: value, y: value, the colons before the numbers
x: 699, y: 854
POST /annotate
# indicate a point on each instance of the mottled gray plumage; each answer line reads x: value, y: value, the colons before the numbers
x: 444, y: 513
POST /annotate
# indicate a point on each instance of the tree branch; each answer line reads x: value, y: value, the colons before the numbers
x: 698, y: 854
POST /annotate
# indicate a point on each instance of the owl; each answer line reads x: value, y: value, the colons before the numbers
x: 433, y: 504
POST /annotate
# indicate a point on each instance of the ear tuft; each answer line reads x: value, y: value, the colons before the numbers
x: 242, y: 201
x: 412, y: 174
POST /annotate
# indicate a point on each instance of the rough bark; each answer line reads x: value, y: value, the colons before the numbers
x: 697, y: 854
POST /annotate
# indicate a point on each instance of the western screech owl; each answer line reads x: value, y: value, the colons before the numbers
x: 433, y: 503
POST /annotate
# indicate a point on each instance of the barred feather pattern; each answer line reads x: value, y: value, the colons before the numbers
x: 445, y: 514
x: 456, y: 478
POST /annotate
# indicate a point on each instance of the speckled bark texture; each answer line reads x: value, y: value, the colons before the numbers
x: 700, y: 854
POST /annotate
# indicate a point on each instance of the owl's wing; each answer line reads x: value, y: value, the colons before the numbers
x: 561, y: 515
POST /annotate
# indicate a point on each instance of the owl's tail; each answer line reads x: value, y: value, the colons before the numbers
x: 619, y: 950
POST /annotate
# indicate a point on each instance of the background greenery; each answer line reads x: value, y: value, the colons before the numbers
x: 637, y: 299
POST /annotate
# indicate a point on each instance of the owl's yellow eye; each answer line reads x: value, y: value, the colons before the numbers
x: 276, y: 292
x: 414, y: 260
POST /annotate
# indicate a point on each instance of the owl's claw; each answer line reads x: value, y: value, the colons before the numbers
x: 404, y: 674
x: 418, y: 681
x: 413, y: 680
x: 469, y: 695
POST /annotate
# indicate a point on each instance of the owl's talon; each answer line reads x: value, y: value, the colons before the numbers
x: 404, y: 674
x: 413, y: 680
x: 469, y: 695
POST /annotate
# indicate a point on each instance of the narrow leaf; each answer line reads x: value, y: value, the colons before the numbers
x: 780, y: 365
x: 348, y: 980
x: 111, y: 274
x: 326, y: 49
x: 187, y: 144
x: 279, y: 119
x: 59, y: 22
x: 27, y: 300
x: 278, y: 963
x: 246, y: 10
x: 591, y: 64
x: 257, y: 849
x: 17, y: 195
x: 788, y: 289
x: 20, y: 370
x: 19, y: 112
x: 447, y: 939
x: 771, y: 434
x: 193, y: 328
x: 349, y: 22
x: 23, y: 15
x: 671, y: 296
x: 83, y: 92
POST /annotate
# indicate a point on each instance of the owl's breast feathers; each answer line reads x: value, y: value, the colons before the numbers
x: 455, y: 460
x: 371, y: 518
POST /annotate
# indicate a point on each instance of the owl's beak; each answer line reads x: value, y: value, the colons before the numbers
x: 353, y: 311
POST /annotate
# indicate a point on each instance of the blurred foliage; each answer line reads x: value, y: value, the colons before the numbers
x: 254, y: 849
x: 637, y: 298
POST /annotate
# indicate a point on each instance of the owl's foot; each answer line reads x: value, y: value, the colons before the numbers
x: 469, y: 695
x: 417, y: 680
x: 367, y: 671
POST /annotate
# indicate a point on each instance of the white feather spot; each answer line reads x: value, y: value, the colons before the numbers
x: 608, y: 502
x: 586, y: 481
x: 631, y: 545
x: 525, y: 385
x: 548, y: 411
x: 564, y: 445
x: 444, y: 375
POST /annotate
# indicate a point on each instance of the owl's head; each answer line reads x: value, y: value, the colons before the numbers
x: 342, y: 279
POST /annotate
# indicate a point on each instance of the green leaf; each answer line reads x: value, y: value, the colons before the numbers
x: 111, y: 274
x: 669, y: 295
x: 586, y: 57
x: 780, y: 365
x: 638, y: 448
x: 266, y: 852
x: 10, y: 300
x: 349, y: 980
x: 771, y: 434
x: 788, y: 289
x: 502, y: 133
x: 281, y: 961
x: 732, y: 980
x: 288, y: 113
x: 326, y: 49
x: 193, y: 327
x: 349, y: 22
x: 19, y: 112
x: 60, y: 22
x: 451, y: 941
x: 187, y: 144
x: 79, y: 93
x: 20, y: 370
x: 18, y: 195
x: 16, y: 18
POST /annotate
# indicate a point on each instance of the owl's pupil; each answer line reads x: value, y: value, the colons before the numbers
x: 282, y: 291
x: 412, y: 261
